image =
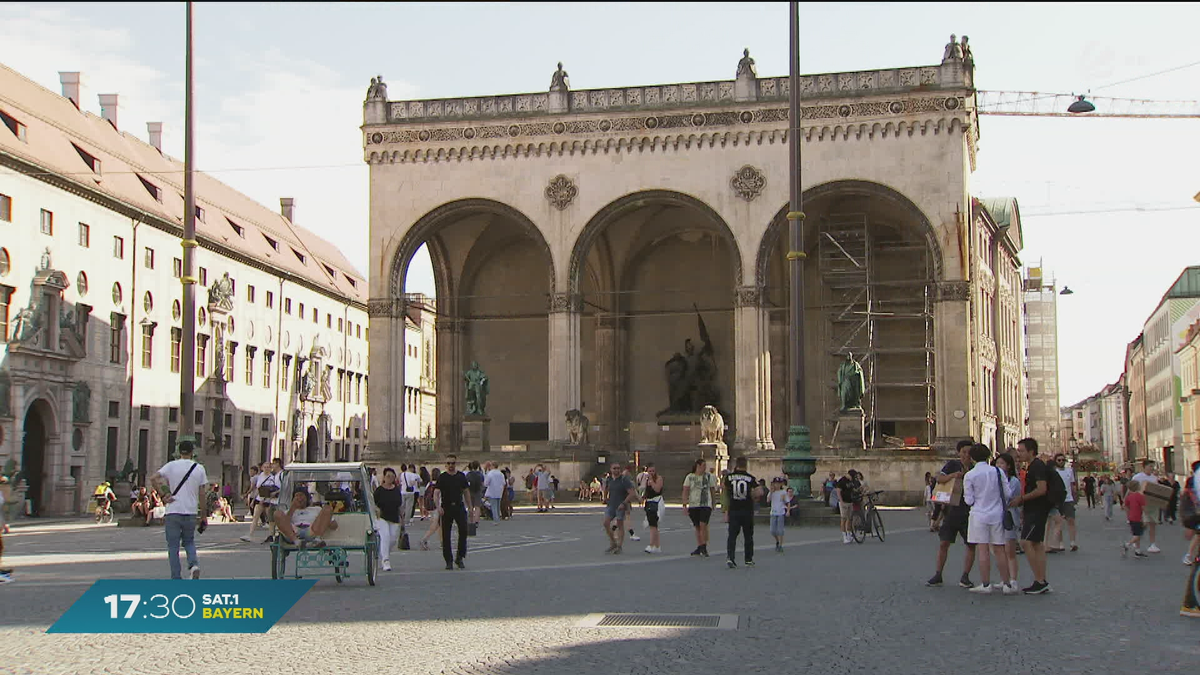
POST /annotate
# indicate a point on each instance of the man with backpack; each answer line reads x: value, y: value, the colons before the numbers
x: 185, y: 479
x: 475, y: 485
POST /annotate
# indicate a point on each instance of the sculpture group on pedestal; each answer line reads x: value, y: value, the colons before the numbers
x: 477, y: 390
x: 577, y: 427
x: 692, y: 375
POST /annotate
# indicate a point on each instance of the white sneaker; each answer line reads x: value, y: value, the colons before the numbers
x: 1187, y: 559
x: 1010, y: 589
x: 651, y: 549
x: 846, y: 538
x: 982, y: 589
x: 1154, y: 549
x: 5, y: 578
x: 387, y: 566
x: 194, y: 572
x: 634, y: 537
x: 245, y: 537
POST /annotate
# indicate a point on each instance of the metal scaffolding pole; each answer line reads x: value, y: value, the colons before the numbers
x: 187, y: 369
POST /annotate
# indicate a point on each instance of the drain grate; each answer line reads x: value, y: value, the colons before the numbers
x: 714, y: 621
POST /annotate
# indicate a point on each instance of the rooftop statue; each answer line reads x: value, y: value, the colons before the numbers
x: 746, y: 65
x: 559, y: 81
x: 378, y: 90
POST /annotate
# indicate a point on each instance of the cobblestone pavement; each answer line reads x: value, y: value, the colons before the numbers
x: 820, y: 606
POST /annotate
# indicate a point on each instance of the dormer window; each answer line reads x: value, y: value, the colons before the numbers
x: 199, y: 213
x: 88, y: 158
x: 330, y: 271
x: 300, y: 256
x: 14, y: 126
x: 153, y: 189
x: 274, y: 244
x: 241, y: 231
x: 353, y: 283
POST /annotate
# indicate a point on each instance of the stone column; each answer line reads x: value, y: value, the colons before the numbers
x: 450, y: 369
x: 564, y: 361
x: 386, y: 421
x: 952, y: 330
x: 752, y: 372
x: 606, y: 398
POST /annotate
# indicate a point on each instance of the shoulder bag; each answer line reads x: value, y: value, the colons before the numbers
x: 1009, y: 524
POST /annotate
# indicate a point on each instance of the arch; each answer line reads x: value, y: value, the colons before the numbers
x: 848, y: 188
x: 312, y: 445
x: 428, y: 225
x: 38, y: 425
x: 621, y: 206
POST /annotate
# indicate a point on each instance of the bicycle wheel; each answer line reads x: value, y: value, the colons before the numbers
x: 858, y: 527
x: 877, y: 523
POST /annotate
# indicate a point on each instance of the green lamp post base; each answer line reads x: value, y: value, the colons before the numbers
x: 798, y: 463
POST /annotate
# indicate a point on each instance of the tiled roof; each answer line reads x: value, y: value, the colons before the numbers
x: 55, y: 128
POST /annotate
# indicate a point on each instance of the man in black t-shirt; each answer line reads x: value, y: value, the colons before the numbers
x: 1089, y: 491
x: 1036, y: 507
x: 455, y: 500
x: 956, y: 515
x: 738, y: 495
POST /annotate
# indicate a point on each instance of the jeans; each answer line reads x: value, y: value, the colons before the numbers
x: 1108, y: 506
x: 741, y: 521
x: 179, y: 527
x: 496, y: 512
x: 451, y: 514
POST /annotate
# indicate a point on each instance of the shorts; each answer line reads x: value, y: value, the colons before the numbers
x: 1067, y: 510
x: 1033, y: 525
x: 777, y: 523
x: 616, y: 513
x: 1149, y: 515
x: 652, y: 514
x: 953, y: 526
x: 547, y: 493
x: 700, y: 515
x: 985, y: 533
x: 845, y: 510
x: 1136, y: 529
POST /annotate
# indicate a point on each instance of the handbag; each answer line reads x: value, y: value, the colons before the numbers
x: 1009, y: 524
x: 267, y: 491
x: 404, y: 544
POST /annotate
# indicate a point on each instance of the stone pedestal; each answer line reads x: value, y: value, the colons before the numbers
x: 850, y: 432
x: 475, y: 434
x: 717, y: 455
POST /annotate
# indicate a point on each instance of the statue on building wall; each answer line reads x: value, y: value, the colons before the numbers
x: 81, y: 400
x: 44, y: 264
x: 326, y: 389
x: 297, y: 424
x: 560, y: 81
x: 577, y: 427
x: 692, y: 375
x: 219, y: 358
x: 746, y: 66
x: 27, y: 325
x: 477, y: 390
x: 968, y: 56
x: 953, y: 51
x: 378, y: 90
x: 220, y: 294
x: 850, y: 384
x: 326, y: 425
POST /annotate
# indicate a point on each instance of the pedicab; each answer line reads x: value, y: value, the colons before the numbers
x: 347, y: 487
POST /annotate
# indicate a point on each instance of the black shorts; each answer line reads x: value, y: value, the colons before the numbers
x: 652, y: 513
x: 1136, y: 529
x: 954, y: 525
x: 699, y: 515
x: 1033, y: 525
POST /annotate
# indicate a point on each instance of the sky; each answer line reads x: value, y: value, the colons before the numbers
x: 1106, y: 203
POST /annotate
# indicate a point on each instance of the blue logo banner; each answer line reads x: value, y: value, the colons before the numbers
x: 182, y: 606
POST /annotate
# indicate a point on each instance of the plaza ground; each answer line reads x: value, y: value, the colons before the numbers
x: 819, y: 607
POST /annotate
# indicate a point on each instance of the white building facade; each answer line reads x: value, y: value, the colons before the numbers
x: 90, y: 312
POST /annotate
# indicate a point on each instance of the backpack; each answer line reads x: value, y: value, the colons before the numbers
x: 1056, y: 490
x: 529, y: 482
x: 475, y: 481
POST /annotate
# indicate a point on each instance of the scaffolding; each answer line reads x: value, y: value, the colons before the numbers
x: 878, y: 302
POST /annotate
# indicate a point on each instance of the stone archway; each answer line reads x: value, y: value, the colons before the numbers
x: 312, y: 446
x: 35, y: 450
x: 644, y: 272
x: 873, y: 262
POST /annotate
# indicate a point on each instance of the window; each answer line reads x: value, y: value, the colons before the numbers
x: 173, y: 418
x: 117, y: 295
x: 301, y: 313
x: 147, y: 346
x: 358, y: 331
x: 85, y: 235
x: 88, y: 158
x: 329, y: 321
x: 118, y: 248
x: 229, y: 370
x: 270, y: 300
x: 114, y: 409
x: 177, y: 268
x: 249, y: 368
x: 203, y: 277
x: 176, y: 340
x: 265, y: 425
x: 315, y: 315
x: 274, y: 244
x: 338, y: 394
x: 264, y: 447
x: 283, y: 373
x: 6, y: 208
x: 357, y: 390
x: 47, y: 223
x: 199, y: 417
x: 149, y: 258
x: 353, y: 283
x: 249, y: 294
x: 153, y: 189
x: 241, y: 231
x: 199, y: 213
x: 144, y: 413
x: 228, y: 421
x: 266, y: 379
x: 287, y: 306
x: 340, y: 330
x: 330, y: 271
x: 201, y: 356
x: 228, y: 442
x: 13, y: 125
x: 114, y: 339
x: 300, y: 256
x: 5, y: 296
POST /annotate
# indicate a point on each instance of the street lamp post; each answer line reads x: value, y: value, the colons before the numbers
x: 798, y: 463
x: 187, y: 369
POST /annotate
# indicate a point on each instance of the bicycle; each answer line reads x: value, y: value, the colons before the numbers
x: 104, y: 514
x: 866, y: 518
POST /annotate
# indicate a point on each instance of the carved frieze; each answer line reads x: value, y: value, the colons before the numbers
x: 561, y: 192
x: 952, y: 291
x: 748, y: 296
x: 385, y: 307
x: 748, y: 182
x: 565, y: 302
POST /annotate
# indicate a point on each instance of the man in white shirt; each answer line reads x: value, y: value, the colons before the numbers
x: 182, y: 481
x: 408, y: 482
x: 494, y: 485
x: 986, y: 491
x: 272, y: 481
x: 1148, y: 516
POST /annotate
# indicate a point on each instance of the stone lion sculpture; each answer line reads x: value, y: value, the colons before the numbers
x: 712, y: 425
x: 577, y: 427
